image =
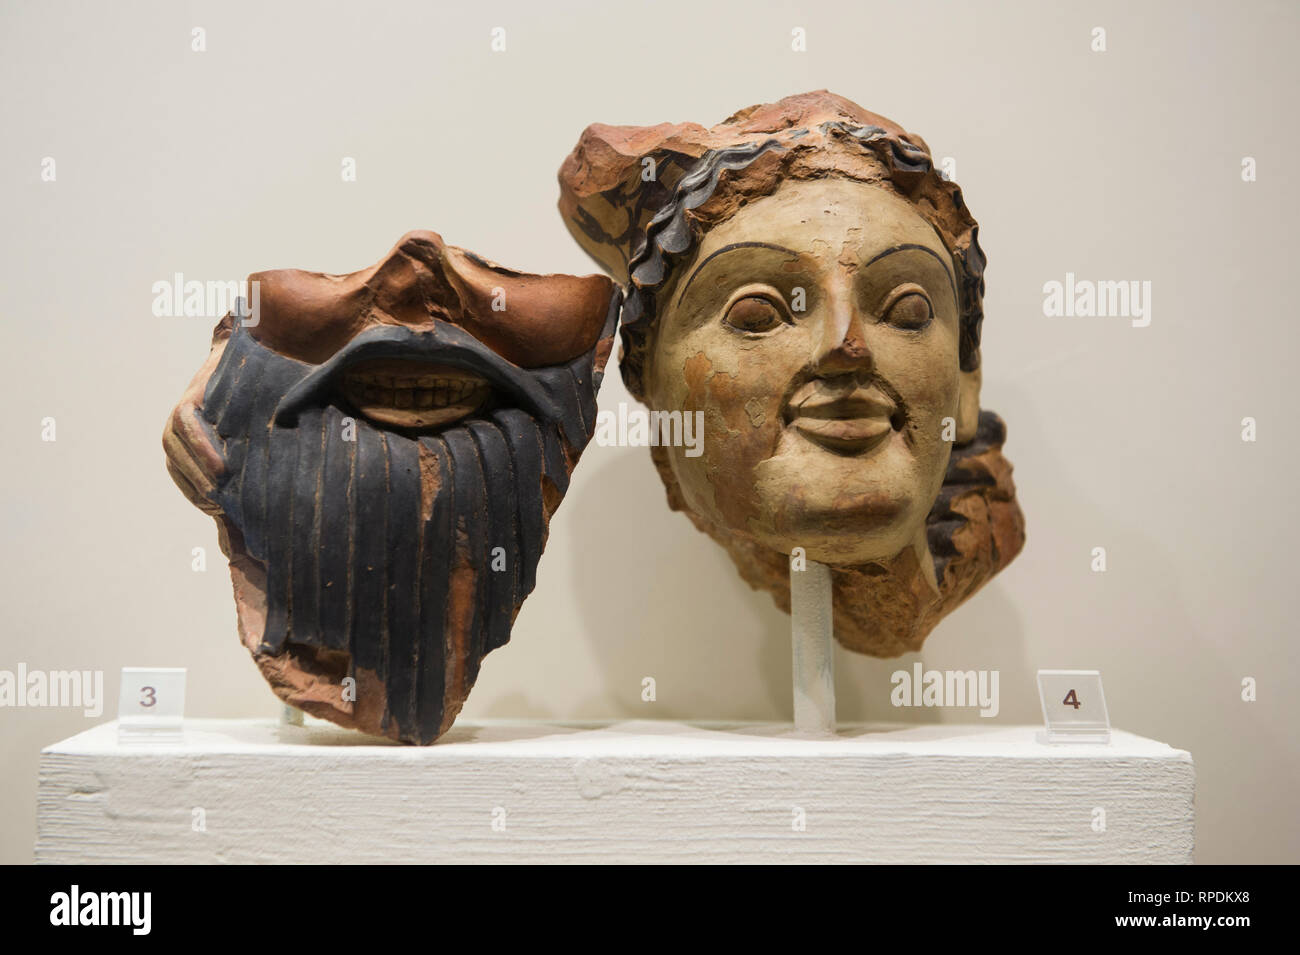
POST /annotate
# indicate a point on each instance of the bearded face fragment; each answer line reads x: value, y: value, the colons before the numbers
x: 383, y: 452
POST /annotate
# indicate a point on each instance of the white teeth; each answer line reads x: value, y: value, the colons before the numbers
x: 375, y: 390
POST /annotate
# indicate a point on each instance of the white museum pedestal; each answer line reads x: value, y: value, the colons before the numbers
x: 637, y: 791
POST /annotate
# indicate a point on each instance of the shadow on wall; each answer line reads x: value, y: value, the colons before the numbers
x: 677, y: 613
x: 680, y: 614
x: 1167, y: 676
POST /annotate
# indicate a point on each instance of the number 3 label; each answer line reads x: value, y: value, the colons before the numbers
x: 151, y: 704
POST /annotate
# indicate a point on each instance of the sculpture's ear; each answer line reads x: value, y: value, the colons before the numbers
x: 968, y: 405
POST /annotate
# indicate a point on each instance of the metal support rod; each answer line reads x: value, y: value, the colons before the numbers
x: 812, y: 633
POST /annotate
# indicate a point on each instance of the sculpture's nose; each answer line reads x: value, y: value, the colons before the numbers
x: 843, y: 347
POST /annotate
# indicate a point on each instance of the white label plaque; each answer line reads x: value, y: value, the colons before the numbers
x: 151, y: 704
x: 1074, y: 707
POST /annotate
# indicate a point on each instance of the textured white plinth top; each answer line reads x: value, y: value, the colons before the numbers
x: 639, y: 791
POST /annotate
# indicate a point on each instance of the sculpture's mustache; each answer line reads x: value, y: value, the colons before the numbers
x: 445, y: 346
x: 849, y: 395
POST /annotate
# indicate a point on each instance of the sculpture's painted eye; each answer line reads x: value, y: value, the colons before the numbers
x: 754, y: 313
x: 911, y: 311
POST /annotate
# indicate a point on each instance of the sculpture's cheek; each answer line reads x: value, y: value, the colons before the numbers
x: 740, y: 421
x: 925, y: 372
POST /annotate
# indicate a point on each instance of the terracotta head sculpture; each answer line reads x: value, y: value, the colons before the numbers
x: 383, y: 452
x: 803, y: 276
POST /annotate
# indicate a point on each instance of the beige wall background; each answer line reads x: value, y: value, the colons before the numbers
x: 1122, y: 165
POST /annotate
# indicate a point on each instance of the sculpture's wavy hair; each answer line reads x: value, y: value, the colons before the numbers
x: 675, y: 230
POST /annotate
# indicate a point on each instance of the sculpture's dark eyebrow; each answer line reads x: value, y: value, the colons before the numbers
x: 947, y: 266
x: 730, y: 248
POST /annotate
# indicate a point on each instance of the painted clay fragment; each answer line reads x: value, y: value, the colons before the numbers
x: 804, y: 278
x: 383, y: 452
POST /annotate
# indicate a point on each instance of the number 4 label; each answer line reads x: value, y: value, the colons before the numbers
x: 1074, y: 707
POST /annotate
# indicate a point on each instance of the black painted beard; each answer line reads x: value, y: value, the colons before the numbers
x: 396, y: 558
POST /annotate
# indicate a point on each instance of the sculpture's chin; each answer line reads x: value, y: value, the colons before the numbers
x: 839, y: 510
x: 845, y: 547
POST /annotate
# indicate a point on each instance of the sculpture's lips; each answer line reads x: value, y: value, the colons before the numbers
x: 846, y: 435
x: 862, y: 403
x: 413, y: 394
x: 847, y: 423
